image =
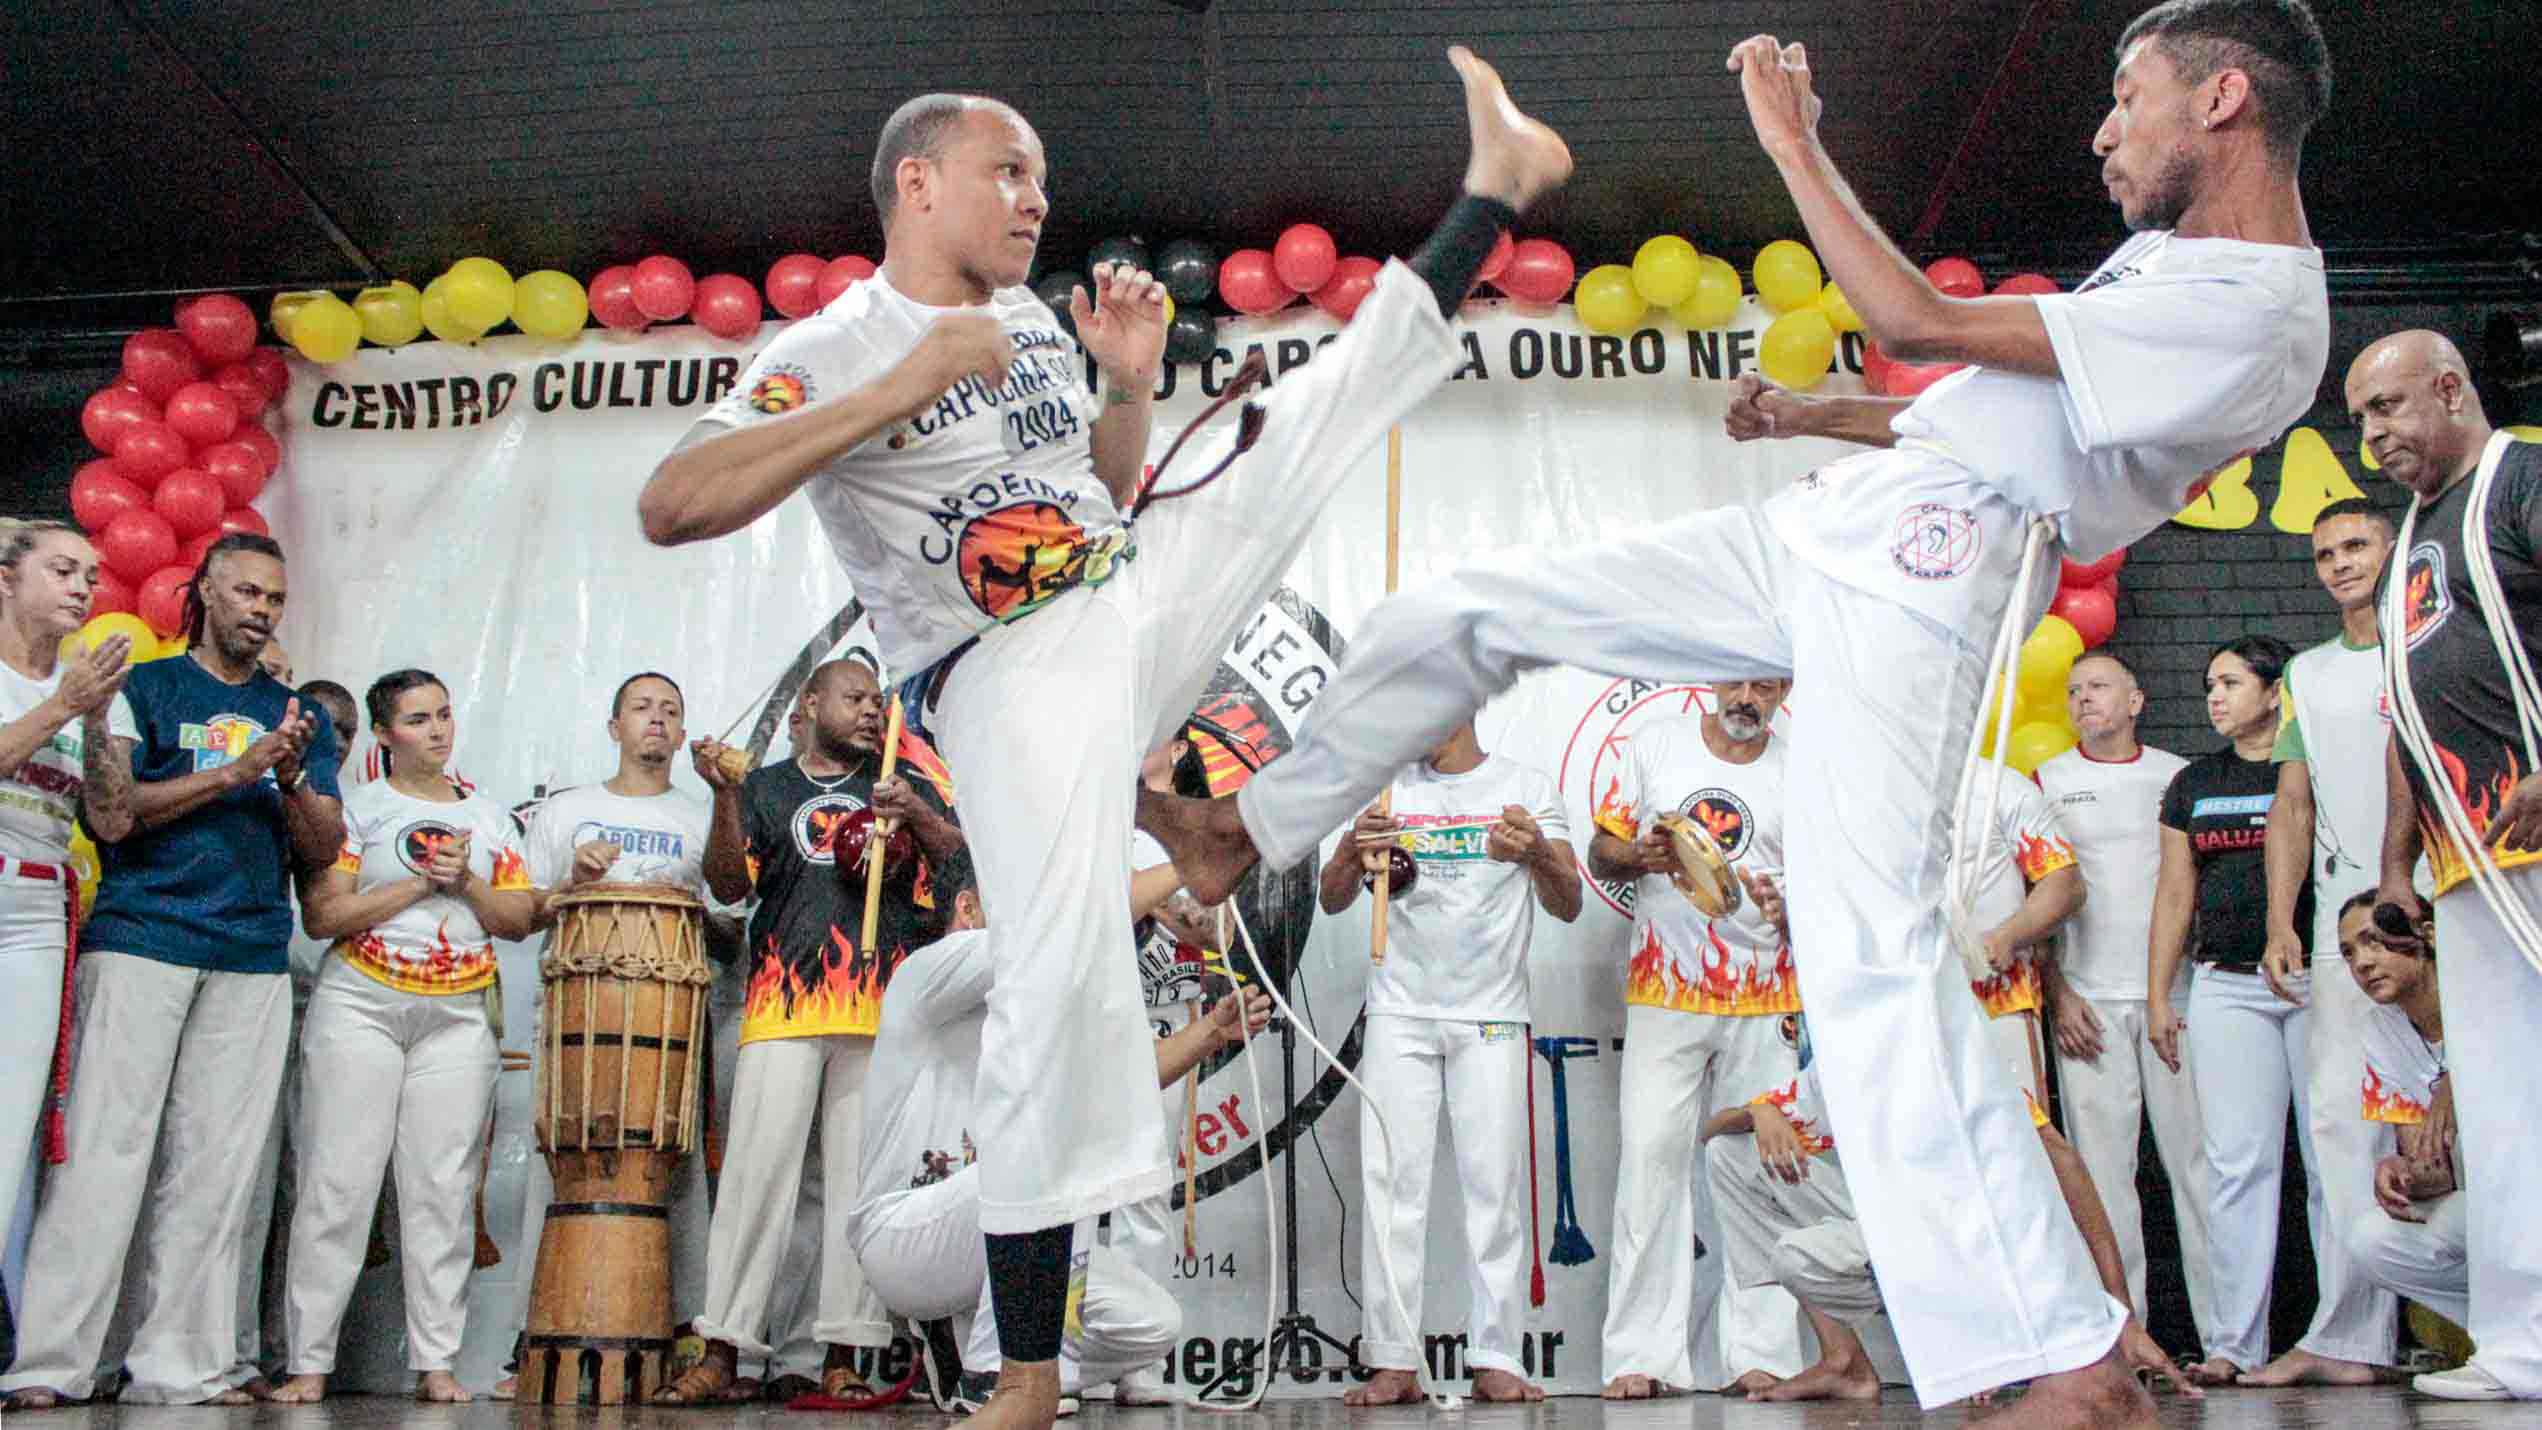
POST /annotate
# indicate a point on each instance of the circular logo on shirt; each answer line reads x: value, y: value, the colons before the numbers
x: 1721, y: 814
x: 1016, y: 557
x: 1933, y: 542
x: 2426, y: 600
x: 783, y: 388
x: 817, y: 821
x: 418, y: 842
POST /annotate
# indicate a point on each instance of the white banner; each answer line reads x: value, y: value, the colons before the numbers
x: 471, y: 510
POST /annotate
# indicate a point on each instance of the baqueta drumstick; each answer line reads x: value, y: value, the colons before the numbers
x: 1386, y: 800
x: 881, y: 832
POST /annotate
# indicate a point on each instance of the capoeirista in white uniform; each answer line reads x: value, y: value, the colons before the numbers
x: 1448, y: 1030
x: 1873, y: 582
x: 1703, y: 998
x: 2427, y: 1260
x: 2024, y: 847
x: 2110, y: 811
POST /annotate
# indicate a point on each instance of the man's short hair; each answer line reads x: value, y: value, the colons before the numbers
x: 618, y: 702
x: 339, y: 705
x: 2113, y: 657
x: 916, y: 130
x: 830, y: 671
x: 2352, y: 506
x: 2276, y: 42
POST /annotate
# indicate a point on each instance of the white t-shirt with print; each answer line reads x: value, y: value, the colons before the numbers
x: 973, y: 512
x: 1457, y: 940
x: 434, y: 945
x: 2024, y: 846
x: 39, y: 801
x: 926, y: 1051
x: 2111, y: 812
x: 2401, y: 1068
x: 661, y: 838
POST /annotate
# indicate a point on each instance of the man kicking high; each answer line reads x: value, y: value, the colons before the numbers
x: 1874, y: 582
x: 989, y: 512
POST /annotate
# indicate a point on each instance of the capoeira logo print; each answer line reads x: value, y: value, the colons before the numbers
x: 781, y: 389
x: 817, y: 821
x: 2426, y: 600
x: 1933, y: 542
x: 1723, y: 815
x: 1015, y: 558
x: 418, y: 842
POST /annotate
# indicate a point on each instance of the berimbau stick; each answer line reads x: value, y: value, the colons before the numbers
x: 1386, y: 801
x: 881, y: 833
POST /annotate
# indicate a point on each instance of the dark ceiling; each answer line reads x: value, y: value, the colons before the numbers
x: 169, y: 145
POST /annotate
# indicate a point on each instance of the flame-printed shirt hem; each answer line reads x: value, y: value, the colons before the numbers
x: 434, y: 946
x: 1683, y: 960
x: 1804, y: 1104
x: 2401, y: 1069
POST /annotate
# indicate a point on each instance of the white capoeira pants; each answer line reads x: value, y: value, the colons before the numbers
x: 2493, y: 1023
x: 923, y: 1254
x: 2249, y: 1045
x: 1065, y: 1117
x: 1149, y: 1233
x: 2429, y: 1262
x: 398, y: 1080
x: 2356, y: 1319
x: 1994, y: 1281
x: 2106, y: 1102
x: 781, y: 1086
x: 31, y: 952
x: 2014, y: 1040
x: 1478, y: 1072
x: 173, y: 1078
x: 1679, y: 1069
x: 1804, y: 1238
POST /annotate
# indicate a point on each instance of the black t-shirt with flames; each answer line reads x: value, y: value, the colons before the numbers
x: 2455, y: 671
x: 808, y: 978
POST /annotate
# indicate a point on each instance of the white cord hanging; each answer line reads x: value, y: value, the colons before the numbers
x: 1964, y: 874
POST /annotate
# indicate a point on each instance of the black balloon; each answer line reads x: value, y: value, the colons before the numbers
x: 1117, y: 250
x: 1191, y: 337
x: 1054, y: 290
x: 1189, y: 270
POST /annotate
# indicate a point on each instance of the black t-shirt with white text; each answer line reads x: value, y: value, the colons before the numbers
x: 2221, y: 802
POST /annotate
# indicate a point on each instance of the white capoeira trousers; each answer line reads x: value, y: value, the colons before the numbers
x: 1477, y: 1072
x: 2429, y: 1262
x: 1803, y: 1238
x: 174, y: 1074
x: 1994, y: 1282
x: 781, y: 1085
x: 31, y: 952
x: 2249, y: 1044
x: 2493, y: 1024
x: 923, y: 1254
x: 1065, y: 1117
x: 1149, y: 1233
x: 2356, y: 1319
x: 2014, y: 1041
x: 399, y: 1080
x: 1679, y: 1069
x: 2106, y: 1101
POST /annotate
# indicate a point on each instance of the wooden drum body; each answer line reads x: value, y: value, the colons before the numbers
x: 623, y: 1035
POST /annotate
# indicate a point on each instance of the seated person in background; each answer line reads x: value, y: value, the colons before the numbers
x: 2417, y: 1242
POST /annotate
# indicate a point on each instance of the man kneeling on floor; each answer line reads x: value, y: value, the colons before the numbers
x: 916, y: 1226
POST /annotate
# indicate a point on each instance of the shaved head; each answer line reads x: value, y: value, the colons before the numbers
x: 2411, y: 395
x: 2416, y: 351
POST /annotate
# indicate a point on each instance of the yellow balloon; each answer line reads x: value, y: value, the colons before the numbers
x: 479, y: 292
x: 1787, y: 275
x: 549, y: 304
x: 1665, y: 271
x: 1797, y: 348
x: 1607, y: 301
x: 173, y: 645
x: 392, y: 315
x: 145, y: 642
x: 2046, y: 659
x: 1716, y: 297
x: 327, y: 330
x: 2037, y: 743
x: 286, y: 310
x: 1839, y: 309
x: 86, y: 865
x: 434, y: 307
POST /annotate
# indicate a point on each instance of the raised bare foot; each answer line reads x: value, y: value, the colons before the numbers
x: 2101, y: 1396
x: 301, y: 1390
x: 1499, y: 1387
x: 1752, y: 1382
x: 2214, y: 1370
x: 34, y: 1397
x: 2302, y: 1367
x: 1205, y: 837
x: 1631, y: 1387
x: 1848, y: 1380
x: 440, y: 1387
x: 1515, y: 158
x: 1386, y: 1387
x: 1026, y: 1398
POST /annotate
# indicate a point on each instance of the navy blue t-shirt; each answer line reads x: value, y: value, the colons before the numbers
x: 212, y: 890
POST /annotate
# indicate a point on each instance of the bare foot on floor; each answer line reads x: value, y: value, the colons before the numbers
x: 1206, y: 838
x: 231, y: 1396
x: 1386, y: 1387
x: 1516, y: 159
x: 1026, y: 1398
x: 256, y: 1387
x: 1631, y: 1387
x: 440, y: 1387
x: 34, y: 1397
x: 301, y: 1390
x: 1499, y: 1387
x: 2302, y: 1367
x: 2101, y: 1396
x: 1853, y: 1380
x: 1751, y: 1383
x: 2214, y: 1370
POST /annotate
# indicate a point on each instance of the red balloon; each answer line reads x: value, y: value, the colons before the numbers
x: 150, y: 450
x: 271, y: 371
x: 100, y: 493
x: 1956, y: 276
x: 263, y: 441
x: 246, y: 392
x: 202, y: 413
x: 191, y: 501
x: 2079, y: 574
x: 161, y: 600
x: 1304, y: 257
x: 240, y: 469
x: 111, y: 411
x: 1353, y: 280
x: 2029, y: 283
x: 220, y: 329
x: 111, y: 593
x: 137, y: 543
x: 199, y: 549
x: 159, y: 361
x: 245, y: 518
x: 663, y: 288
x: 794, y: 284
x: 612, y: 295
x: 1889, y: 377
x: 837, y: 274
x: 726, y: 305
x: 1250, y: 284
x: 1539, y: 271
x: 1496, y: 262
x: 2090, y: 610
